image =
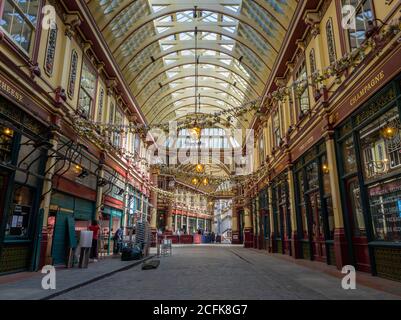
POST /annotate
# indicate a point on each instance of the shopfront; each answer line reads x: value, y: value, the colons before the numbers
x: 369, y: 156
x: 282, y: 232
x: 315, y: 219
x: 111, y: 221
x: 65, y: 210
x: 23, y: 148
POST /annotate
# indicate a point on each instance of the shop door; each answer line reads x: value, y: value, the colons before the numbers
x: 357, y: 223
x: 318, y: 240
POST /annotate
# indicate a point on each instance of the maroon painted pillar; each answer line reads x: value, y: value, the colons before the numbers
x: 295, y: 249
x: 235, y: 232
x: 153, y: 202
x: 340, y: 248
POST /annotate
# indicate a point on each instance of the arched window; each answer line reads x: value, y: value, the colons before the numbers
x: 331, y: 45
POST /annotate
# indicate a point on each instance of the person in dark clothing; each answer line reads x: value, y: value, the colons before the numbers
x: 94, y: 227
x: 213, y: 237
x: 118, y: 237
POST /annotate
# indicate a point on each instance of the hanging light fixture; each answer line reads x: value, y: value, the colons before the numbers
x: 389, y: 131
x: 200, y: 168
x: 195, y: 181
x: 205, y: 181
x: 196, y: 130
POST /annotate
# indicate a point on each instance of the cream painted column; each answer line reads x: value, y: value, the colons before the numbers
x: 182, y: 222
x: 340, y: 242
x: 248, y: 241
x: 257, y: 220
x: 99, y: 194
x: 175, y: 223
x: 295, y: 250
x: 169, y: 225
x: 271, y: 220
x: 234, y: 224
x: 153, y: 201
x: 187, y: 223
x: 46, y: 196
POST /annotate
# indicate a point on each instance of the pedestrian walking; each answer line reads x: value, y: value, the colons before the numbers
x: 94, y: 227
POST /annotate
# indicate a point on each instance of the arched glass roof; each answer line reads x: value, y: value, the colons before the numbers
x: 155, y: 44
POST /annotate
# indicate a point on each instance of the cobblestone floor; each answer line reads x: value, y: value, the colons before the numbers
x: 222, y: 272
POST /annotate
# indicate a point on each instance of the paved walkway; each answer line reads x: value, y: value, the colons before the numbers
x: 28, y: 285
x: 223, y: 272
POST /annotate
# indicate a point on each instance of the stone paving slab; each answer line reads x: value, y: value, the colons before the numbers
x: 30, y: 288
x: 223, y: 273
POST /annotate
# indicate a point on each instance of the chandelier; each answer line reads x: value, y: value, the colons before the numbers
x: 196, y: 130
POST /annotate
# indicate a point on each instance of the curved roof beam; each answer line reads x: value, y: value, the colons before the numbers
x: 125, y: 61
x: 175, y: 8
x: 104, y: 23
x: 187, y: 96
x: 190, y: 45
x: 193, y: 75
x: 213, y: 62
x: 202, y: 84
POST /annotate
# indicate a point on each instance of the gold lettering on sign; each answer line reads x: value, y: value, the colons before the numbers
x: 10, y: 91
x: 367, y: 88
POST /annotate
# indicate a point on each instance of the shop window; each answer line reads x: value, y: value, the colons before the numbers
x: 261, y: 148
x: 20, y: 213
x: 19, y: 20
x: 385, y: 209
x: 348, y: 156
x: 301, y: 91
x: 312, y: 177
x: 117, y: 135
x: 363, y: 14
x: 87, y: 91
x: 331, y: 44
x: 381, y: 145
x: 6, y: 143
x: 356, y: 209
x: 276, y: 130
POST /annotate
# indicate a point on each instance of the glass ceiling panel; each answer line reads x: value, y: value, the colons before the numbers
x: 153, y: 41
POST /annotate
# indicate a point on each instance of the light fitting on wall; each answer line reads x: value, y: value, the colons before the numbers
x: 8, y: 132
x: 77, y: 169
x: 325, y: 168
x: 389, y: 131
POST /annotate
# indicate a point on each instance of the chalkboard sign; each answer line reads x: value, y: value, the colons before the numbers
x: 71, y: 232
